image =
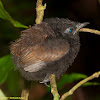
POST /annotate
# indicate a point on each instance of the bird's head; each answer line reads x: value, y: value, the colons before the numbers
x: 65, y: 27
x: 73, y: 29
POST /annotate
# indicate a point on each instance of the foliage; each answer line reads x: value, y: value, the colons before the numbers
x: 9, y: 74
x: 91, y: 83
x: 5, y: 15
x: 70, y: 78
x: 13, y: 82
x: 5, y: 66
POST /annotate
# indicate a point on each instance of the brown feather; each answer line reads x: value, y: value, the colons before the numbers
x: 39, y: 53
x: 38, y: 45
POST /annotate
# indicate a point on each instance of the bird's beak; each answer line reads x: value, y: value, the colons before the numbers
x: 79, y: 26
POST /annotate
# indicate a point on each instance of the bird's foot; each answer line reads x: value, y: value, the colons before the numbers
x: 46, y: 81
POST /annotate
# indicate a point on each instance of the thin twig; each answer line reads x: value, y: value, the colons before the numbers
x: 25, y: 94
x: 40, y: 11
x: 90, y: 30
x: 71, y: 91
x: 54, y: 87
x: 25, y: 91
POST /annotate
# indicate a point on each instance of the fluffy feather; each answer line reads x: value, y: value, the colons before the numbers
x: 45, y: 49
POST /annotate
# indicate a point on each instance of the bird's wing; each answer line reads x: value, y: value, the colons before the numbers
x: 51, y: 50
x: 36, y: 56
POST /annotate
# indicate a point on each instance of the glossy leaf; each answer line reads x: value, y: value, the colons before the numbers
x: 5, y: 66
x: 5, y: 15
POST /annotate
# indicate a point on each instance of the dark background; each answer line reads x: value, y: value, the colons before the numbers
x: 88, y: 59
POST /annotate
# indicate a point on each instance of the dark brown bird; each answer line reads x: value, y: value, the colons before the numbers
x: 47, y: 48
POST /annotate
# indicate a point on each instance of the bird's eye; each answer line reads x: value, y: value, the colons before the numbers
x: 70, y: 30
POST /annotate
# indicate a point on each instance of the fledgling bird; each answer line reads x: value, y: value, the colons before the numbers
x: 47, y: 48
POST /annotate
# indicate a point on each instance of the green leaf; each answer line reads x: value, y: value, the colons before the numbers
x: 2, y: 96
x: 3, y: 77
x: 5, y: 15
x: 90, y: 83
x: 69, y: 78
x: 5, y: 66
x: 13, y: 82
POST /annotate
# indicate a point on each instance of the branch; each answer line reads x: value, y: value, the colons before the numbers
x: 71, y: 91
x: 54, y: 87
x: 25, y: 91
x: 90, y: 30
x: 40, y: 11
x: 25, y: 94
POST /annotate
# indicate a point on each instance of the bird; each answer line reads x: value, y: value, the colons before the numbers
x: 47, y: 48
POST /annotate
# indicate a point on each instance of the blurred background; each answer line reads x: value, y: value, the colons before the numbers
x: 87, y: 61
